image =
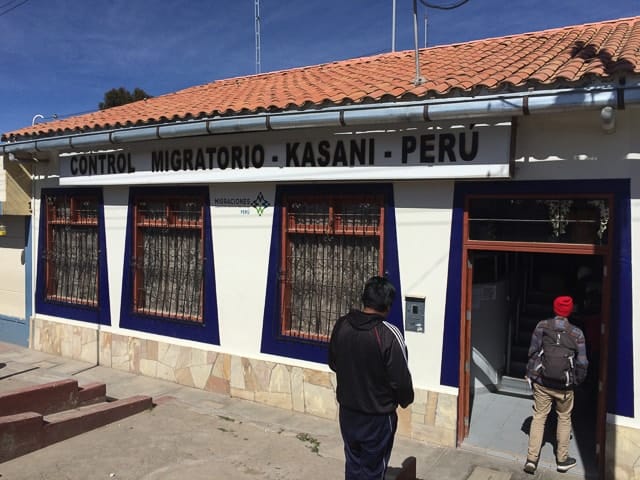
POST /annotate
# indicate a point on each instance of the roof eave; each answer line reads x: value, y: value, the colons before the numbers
x: 363, y: 115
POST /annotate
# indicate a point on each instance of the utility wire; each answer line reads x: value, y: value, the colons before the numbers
x: 6, y: 4
x: 10, y: 8
x: 451, y: 6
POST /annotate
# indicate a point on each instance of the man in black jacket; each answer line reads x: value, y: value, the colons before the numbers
x: 369, y: 357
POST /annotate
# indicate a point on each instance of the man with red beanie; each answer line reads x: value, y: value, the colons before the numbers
x: 557, y: 364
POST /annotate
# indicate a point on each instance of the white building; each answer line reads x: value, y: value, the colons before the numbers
x: 211, y: 236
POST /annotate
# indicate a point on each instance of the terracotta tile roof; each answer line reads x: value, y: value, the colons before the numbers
x: 569, y: 56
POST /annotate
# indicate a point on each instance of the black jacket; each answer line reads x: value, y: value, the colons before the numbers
x: 369, y: 357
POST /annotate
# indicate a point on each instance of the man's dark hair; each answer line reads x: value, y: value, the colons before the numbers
x: 378, y: 294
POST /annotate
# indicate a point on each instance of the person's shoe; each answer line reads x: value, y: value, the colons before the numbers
x: 569, y: 463
x: 530, y: 466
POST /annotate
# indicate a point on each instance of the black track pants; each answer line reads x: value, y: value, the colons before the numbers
x: 368, y: 440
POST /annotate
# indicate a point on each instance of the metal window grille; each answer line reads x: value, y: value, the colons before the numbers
x: 72, y: 251
x: 169, y: 261
x: 333, y: 245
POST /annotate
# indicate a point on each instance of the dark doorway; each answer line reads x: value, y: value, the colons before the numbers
x: 510, y: 292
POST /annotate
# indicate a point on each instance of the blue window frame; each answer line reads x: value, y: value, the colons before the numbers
x: 168, y: 285
x: 72, y: 279
x: 326, y: 241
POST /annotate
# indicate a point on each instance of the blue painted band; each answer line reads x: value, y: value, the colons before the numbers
x: 8, y: 318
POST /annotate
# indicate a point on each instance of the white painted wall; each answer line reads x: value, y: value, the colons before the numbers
x: 115, y: 224
x: 574, y: 146
x: 241, y: 244
x: 3, y: 181
x: 423, y: 222
x: 12, y: 267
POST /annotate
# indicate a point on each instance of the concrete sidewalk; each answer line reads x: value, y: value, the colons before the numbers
x: 200, y: 435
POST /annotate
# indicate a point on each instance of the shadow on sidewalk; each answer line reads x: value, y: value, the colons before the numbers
x: 406, y: 472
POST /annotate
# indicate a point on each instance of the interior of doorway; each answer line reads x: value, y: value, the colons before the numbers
x: 511, y: 292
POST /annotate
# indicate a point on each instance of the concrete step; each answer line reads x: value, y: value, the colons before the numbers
x: 51, y: 397
x: 514, y: 386
x: 26, y: 430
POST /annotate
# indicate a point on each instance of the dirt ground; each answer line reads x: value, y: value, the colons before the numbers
x: 172, y: 442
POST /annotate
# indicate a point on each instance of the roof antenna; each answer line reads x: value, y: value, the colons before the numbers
x: 419, y: 80
x: 257, y: 23
x: 426, y: 38
x: 393, y: 26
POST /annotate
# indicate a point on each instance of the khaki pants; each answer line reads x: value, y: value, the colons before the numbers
x: 543, y: 399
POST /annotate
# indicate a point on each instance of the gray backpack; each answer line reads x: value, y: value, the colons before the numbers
x: 557, y: 359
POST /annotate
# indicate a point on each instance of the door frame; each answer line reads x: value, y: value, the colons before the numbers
x: 534, y: 247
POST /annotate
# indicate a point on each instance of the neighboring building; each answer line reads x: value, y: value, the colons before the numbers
x: 212, y: 236
x: 15, y: 250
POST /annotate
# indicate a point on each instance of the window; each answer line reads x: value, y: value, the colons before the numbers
x: 168, y: 285
x: 168, y: 259
x: 579, y: 220
x: 332, y: 244
x: 71, y: 250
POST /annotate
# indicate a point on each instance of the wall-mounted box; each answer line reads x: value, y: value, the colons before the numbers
x: 414, y: 314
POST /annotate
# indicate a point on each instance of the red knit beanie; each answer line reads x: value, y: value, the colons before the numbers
x: 563, y: 306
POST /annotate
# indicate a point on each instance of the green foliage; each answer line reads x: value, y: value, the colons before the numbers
x: 122, y: 96
x: 314, y: 443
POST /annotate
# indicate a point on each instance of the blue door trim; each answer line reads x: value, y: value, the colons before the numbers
x: 620, y: 395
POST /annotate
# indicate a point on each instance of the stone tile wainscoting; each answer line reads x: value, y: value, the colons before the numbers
x: 622, y: 453
x: 431, y: 418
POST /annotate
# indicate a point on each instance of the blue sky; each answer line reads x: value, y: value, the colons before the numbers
x: 59, y: 57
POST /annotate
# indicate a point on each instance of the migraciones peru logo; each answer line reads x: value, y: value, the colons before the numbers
x: 259, y: 204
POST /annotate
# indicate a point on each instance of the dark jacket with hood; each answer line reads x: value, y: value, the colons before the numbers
x: 369, y: 357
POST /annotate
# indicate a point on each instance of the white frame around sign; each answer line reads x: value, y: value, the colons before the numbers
x: 385, y: 157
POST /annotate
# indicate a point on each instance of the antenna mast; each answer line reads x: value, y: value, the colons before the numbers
x: 393, y: 26
x: 419, y: 80
x: 257, y: 17
x: 426, y: 38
